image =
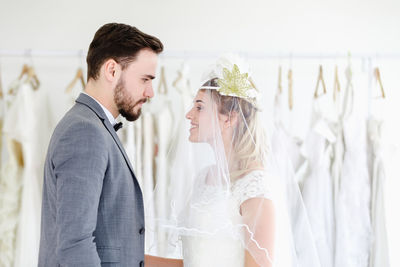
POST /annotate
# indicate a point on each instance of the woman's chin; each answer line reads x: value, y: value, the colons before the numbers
x: 193, y: 139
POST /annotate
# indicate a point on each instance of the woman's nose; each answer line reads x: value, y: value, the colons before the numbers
x: 188, y: 115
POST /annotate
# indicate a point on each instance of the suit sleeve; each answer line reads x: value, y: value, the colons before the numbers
x: 80, y: 161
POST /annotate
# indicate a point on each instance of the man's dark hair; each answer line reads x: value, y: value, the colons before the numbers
x: 120, y: 42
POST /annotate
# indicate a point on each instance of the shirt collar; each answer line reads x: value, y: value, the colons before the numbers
x: 110, y: 117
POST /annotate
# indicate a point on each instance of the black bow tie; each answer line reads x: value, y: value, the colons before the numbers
x: 118, y: 126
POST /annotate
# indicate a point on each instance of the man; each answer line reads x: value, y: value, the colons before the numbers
x: 92, y: 212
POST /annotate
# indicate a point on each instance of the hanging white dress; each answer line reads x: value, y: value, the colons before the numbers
x: 183, y: 96
x: 379, y: 249
x: 138, y: 157
x: 172, y: 128
x: 293, y: 167
x: 127, y: 137
x: 317, y: 188
x: 148, y: 151
x: 281, y: 134
x: 29, y: 124
x: 161, y: 111
x: 353, y: 228
x: 2, y: 103
x: 64, y: 100
x: 72, y: 95
x: 337, y: 158
x: 10, y: 189
x: 147, y: 164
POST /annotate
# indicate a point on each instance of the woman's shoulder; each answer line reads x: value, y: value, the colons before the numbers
x: 257, y: 183
x: 252, y: 176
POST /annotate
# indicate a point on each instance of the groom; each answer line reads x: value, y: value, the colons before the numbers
x: 92, y: 211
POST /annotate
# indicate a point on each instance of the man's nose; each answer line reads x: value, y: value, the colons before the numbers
x: 149, y: 92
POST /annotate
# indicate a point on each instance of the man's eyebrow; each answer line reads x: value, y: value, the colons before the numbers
x: 198, y: 101
x: 149, y: 76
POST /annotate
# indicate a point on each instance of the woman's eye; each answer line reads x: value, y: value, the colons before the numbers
x: 199, y: 108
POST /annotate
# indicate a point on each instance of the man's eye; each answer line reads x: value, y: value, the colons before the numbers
x: 199, y: 108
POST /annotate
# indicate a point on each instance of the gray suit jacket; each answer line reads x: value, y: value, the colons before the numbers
x: 92, y: 210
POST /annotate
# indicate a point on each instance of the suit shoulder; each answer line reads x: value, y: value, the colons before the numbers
x: 81, y: 123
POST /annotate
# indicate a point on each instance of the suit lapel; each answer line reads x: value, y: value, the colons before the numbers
x: 111, y: 130
x: 93, y: 105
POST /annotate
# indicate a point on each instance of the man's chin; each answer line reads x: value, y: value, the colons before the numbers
x: 131, y: 116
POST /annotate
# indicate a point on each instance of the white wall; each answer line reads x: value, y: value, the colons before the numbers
x: 257, y: 25
x: 284, y: 26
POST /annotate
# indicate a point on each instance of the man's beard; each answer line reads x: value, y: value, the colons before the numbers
x: 125, y: 103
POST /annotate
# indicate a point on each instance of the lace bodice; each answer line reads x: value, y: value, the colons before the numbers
x: 224, y: 247
x: 254, y: 184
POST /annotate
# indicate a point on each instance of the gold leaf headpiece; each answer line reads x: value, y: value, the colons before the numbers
x: 237, y: 84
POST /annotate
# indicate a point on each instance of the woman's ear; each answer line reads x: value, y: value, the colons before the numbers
x: 233, y: 118
x: 229, y: 120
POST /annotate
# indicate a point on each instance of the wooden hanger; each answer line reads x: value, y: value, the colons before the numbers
x: 31, y: 77
x: 24, y: 71
x: 280, y: 79
x: 378, y: 78
x: 78, y: 77
x: 290, y: 88
x: 320, y: 79
x: 175, y: 83
x: 251, y: 81
x: 162, y: 86
x: 336, y: 84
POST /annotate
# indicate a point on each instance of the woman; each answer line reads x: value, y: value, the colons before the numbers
x: 228, y: 208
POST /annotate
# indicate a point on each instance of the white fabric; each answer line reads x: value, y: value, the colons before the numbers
x: 127, y: 137
x: 65, y: 99
x: 147, y: 166
x: 161, y: 111
x: 379, y: 249
x: 138, y: 162
x: 283, y: 122
x: 10, y: 190
x: 293, y: 167
x: 353, y: 223
x: 221, y: 208
x: 317, y: 188
x: 183, y: 97
x: 222, y: 249
x: 28, y: 123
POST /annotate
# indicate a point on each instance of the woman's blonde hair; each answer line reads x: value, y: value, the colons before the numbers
x: 249, y: 139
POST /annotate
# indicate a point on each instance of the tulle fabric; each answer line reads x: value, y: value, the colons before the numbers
x: 231, y: 195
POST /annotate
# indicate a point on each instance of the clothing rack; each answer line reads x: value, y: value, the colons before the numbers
x: 203, y: 54
x: 182, y: 54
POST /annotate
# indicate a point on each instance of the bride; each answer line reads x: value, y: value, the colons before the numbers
x: 228, y: 206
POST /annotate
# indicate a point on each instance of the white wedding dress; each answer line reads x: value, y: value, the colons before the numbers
x: 376, y: 142
x: 221, y: 247
x: 27, y: 124
x: 318, y: 187
x: 353, y: 222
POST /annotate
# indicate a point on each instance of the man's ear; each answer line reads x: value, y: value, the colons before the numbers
x: 111, y: 70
